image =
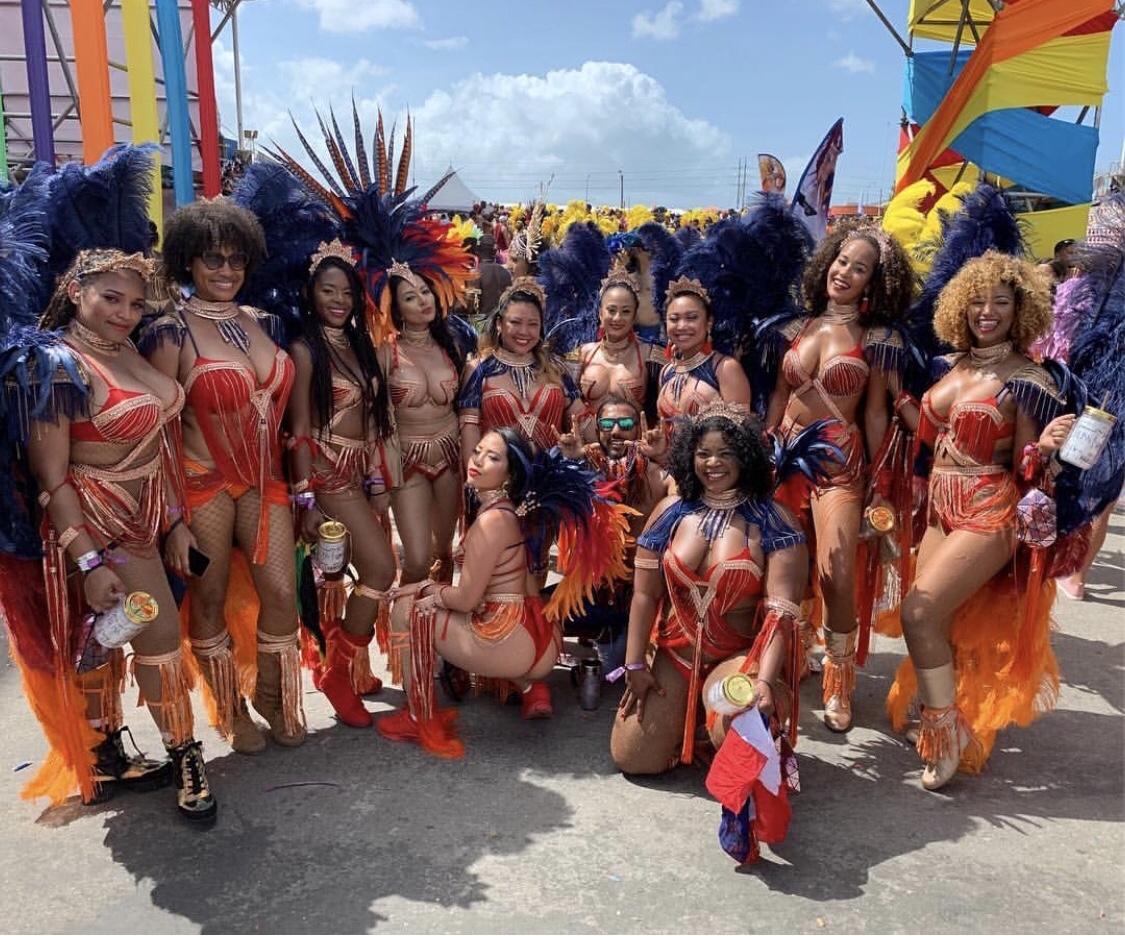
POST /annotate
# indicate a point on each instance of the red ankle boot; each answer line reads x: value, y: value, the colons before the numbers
x: 336, y: 681
x: 536, y: 701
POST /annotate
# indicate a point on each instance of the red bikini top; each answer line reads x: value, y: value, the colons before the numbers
x: 702, y: 600
x: 968, y: 435
x: 126, y: 415
x: 842, y: 375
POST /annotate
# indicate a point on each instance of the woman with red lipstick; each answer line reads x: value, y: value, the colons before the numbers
x: 516, y: 383
x: 840, y: 366
x: 237, y: 383
x: 344, y: 461
x: 978, y: 635
x: 424, y: 381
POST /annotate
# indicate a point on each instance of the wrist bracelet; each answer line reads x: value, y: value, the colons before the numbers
x: 300, y: 487
x: 625, y: 668
x: 89, y: 561
x: 179, y: 521
x: 304, y: 499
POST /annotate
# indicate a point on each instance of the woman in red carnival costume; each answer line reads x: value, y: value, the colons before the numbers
x: 615, y: 364
x: 344, y: 459
x: 424, y: 381
x: 237, y: 383
x: 696, y: 375
x: 976, y: 626
x: 841, y: 365
x: 493, y: 622
x: 719, y: 570
x: 109, y: 475
x: 517, y: 383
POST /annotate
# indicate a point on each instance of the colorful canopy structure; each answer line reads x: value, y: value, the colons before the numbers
x: 988, y: 106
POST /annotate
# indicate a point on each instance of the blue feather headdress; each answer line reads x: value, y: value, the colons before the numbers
x: 571, y: 274
x: 295, y: 224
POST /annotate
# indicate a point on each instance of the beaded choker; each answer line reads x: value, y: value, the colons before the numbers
x: 523, y: 373
x: 616, y: 348
x: 336, y: 337
x: 492, y: 498
x: 982, y: 358
x: 719, y: 511
x: 225, y: 316
x: 420, y: 338
x: 682, y: 368
x: 88, y: 336
x: 840, y: 314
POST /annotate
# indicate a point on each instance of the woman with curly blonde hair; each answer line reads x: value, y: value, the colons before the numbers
x: 982, y: 428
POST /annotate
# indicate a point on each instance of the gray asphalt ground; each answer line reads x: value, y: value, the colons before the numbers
x: 534, y: 831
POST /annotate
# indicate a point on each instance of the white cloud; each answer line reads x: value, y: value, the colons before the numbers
x: 716, y: 9
x: 662, y: 25
x: 854, y: 64
x: 847, y: 9
x: 508, y: 133
x: 442, y: 45
x: 349, y: 16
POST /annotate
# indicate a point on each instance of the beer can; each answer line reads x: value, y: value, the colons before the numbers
x: 731, y: 695
x: 1083, y: 446
x: 331, y: 546
x: 121, y: 623
x: 881, y: 519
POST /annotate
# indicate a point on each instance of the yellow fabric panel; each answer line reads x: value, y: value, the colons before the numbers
x: 938, y: 19
x: 947, y: 175
x: 1044, y: 229
x: 1067, y: 70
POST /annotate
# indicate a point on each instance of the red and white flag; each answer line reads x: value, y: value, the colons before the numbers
x: 748, y: 766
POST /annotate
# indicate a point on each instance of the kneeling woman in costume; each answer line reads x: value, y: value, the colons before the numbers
x: 981, y: 423
x: 727, y: 567
x: 493, y: 622
x: 111, y: 487
x: 344, y: 458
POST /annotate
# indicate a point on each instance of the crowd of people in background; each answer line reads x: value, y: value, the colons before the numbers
x: 719, y: 491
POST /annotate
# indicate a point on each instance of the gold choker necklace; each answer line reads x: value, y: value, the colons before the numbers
x: 840, y: 314
x: 616, y: 348
x: 492, y: 498
x: 225, y: 316
x: 88, y: 336
x: 682, y: 368
x: 719, y: 512
x: 420, y: 338
x: 522, y: 373
x: 336, y: 337
x: 981, y: 358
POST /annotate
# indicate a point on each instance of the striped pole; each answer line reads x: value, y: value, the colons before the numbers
x: 208, y: 110
x: 175, y: 91
x: 38, y: 84
x: 142, y: 92
x: 91, y: 62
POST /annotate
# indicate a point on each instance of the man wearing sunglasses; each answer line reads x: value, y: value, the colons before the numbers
x: 633, y: 479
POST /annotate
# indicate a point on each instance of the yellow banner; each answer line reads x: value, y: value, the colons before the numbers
x: 142, y: 92
x: 1044, y: 229
x: 938, y: 19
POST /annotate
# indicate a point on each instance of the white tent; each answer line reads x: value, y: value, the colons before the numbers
x: 454, y: 196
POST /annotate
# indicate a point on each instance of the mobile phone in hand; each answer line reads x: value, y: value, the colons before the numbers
x: 197, y: 562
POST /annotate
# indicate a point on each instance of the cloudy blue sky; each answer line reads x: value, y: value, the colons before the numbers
x: 662, y: 97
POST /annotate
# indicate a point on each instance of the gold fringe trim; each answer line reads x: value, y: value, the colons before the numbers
x: 173, y: 708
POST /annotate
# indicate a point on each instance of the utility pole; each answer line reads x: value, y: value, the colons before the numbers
x: 621, y: 173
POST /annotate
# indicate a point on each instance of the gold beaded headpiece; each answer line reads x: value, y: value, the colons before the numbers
x: 875, y: 233
x: 524, y: 284
x: 335, y: 248
x: 619, y: 275
x: 402, y: 270
x: 684, y: 285
x: 736, y: 412
x: 89, y: 263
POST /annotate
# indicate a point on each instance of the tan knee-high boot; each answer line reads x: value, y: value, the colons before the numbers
x: 232, y: 719
x: 943, y: 733
x: 277, y: 694
x: 839, y: 679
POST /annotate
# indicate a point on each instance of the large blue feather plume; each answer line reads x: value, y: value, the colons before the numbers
x: 24, y: 244
x: 571, y: 275
x: 295, y: 223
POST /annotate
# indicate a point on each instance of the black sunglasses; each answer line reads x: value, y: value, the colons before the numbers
x: 214, y: 260
x: 606, y: 423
